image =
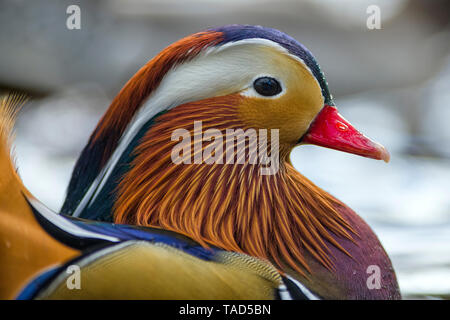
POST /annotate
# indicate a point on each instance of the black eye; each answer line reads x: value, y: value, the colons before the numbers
x: 267, y: 86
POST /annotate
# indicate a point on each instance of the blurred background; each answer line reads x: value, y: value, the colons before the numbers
x: 392, y: 83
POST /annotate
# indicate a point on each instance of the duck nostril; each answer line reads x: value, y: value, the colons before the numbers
x: 341, y: 126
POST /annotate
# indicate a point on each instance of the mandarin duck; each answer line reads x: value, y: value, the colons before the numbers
x: 185, y: 189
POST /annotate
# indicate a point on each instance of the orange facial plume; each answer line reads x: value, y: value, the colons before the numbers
x: 276, y: 217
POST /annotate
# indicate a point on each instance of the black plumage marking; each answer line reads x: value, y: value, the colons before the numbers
x: 101, y: 208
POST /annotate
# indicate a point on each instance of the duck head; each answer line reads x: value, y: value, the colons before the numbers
x: 249, y: 78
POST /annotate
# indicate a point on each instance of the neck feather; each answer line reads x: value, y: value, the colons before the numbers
x: 277, y: 217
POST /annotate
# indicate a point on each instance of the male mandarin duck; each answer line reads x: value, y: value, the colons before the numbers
x: 214, y: 224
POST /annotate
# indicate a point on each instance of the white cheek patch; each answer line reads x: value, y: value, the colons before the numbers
x: 217, y: 71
